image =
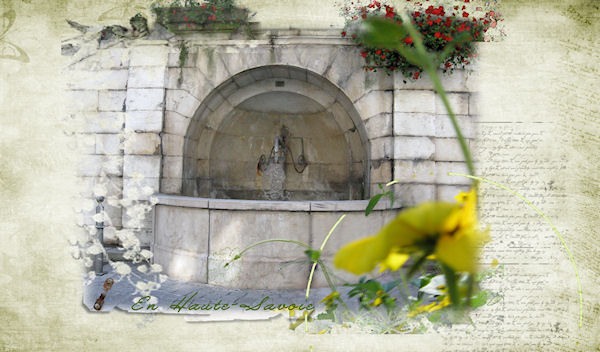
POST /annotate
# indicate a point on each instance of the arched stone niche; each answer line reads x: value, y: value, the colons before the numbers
x: 239, y: 120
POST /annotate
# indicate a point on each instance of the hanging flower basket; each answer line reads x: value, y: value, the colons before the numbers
x: 201, y: 17
x: 438, y: 26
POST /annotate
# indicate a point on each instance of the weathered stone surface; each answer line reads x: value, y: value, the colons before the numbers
x: 448, y: 149
x: 147, y: 77
x: 82, y: 100
x: 414, y: 171
x: 172, y: 166
x: 455, y: 82
x: 171, y: 185
x: 181, y: 264
x: 182, y: 102
x: 447, y: 193
x: 458, y: 101
x: 414, y: 101
x: 413, y: 194
x: 145, y: 99
x: 172, y: 144
x: 112, y: 100
x: 144, y: 121
x: 97, y: 165
x: 413, y: 148
x: 142, y: 144
x: 381, y: 171
x: 379, y: 126
x: 103, y: 122
x: 374, y: 103
x: 149, y: 55
x: 414, y: 124
x: 107, y: 79
x: 382, y: 148
x: 144, y: 165
x: 443, y: 168
x: 108, y: 144
x: 140, y: 189
x: 444, y: 127
x: 176, y: 124
x: 182, y: 228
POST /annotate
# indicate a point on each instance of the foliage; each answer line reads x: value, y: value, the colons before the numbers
x: 216, y: 14
x: 437, y: 26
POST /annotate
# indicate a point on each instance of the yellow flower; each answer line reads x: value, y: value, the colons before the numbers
x: 432, y: 307
x: 449, y: 231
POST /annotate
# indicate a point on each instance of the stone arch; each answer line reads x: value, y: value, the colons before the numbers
x: 264, y: 82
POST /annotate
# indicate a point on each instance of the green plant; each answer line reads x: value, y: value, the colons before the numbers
x: 437, y: 26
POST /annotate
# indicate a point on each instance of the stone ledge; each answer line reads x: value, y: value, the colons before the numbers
x: 241, y: 204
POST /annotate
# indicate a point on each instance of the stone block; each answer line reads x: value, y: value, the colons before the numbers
x: 382, y: 148
x: 414, y: 171
x: 413, y: 148
x: 141, y: 165
x: 144, y: 121
x: 443, y: 168
x: 354, y: 226
x: 145, y: 99
x: 171, y: 185
x: 447, y: 193
x: 182, y: 265
x: 142, y: 144
x: 379, y: 126
x: 445, y: 129
x: 182, y: 228
x: 448, y: 149
x: 414, y: 101
x: 176, y: 124
x: 414, y: 194
x: 182, y: 102
x: 256, y: 272
x: 98, y: 165
x: 414, y: 124
x: 147, y: 77
x: 108, y: 144
x: 140, y: 189
x: 455, y: 82
x: 112, y: 100
x: 172, y: 144
x: 149, y: 55
x: 104, y: 122
x: 101, y: 80
x: 82, y: 100
x: 234, y: 231
x: 374, y: 103
x: 381, y: 171
x: 172, y: 167
x: 458, y: 101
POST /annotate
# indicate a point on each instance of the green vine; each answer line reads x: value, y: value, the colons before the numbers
x: 183, y: 54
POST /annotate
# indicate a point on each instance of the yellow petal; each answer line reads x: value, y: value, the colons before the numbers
x: 394, y: 261
x: 460, y: 251
x: 360, y: 256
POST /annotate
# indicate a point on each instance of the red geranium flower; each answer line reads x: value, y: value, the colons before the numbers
x: 378, y: 52
x: 364, y: 54
x: 447, y: 64
x: 343, y: 34
x: 408, y: 40
x: 465, y: 14
x: 437, y: 34
x: 416, y: 75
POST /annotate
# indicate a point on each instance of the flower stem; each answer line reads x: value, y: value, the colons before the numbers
x: 451, y: 283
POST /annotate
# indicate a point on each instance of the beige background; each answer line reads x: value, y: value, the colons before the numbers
x: 545, y: 70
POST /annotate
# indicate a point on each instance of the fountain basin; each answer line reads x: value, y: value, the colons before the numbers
x: 195, y: 237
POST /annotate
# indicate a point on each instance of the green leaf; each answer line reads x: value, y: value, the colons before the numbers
x: 480, y: 299
x: 313, y: 254
x: 372, y: 203
x: 435, y: 316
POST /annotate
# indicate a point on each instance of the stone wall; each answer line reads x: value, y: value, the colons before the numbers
x: 146, y: 124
